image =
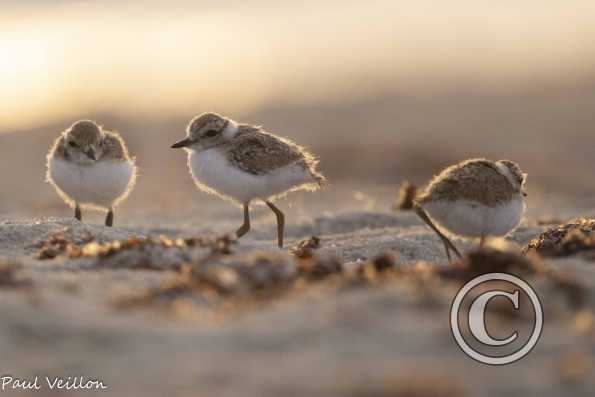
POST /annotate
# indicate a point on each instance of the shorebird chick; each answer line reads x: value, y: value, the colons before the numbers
x: 90, y: 168
x: 243, y: 163
x: 476, y: 198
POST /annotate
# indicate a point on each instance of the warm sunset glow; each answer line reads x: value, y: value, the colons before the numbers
x: 24, y: 66
x: 64, y: 60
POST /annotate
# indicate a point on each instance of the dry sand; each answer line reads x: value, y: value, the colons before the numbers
x: 66, y: 317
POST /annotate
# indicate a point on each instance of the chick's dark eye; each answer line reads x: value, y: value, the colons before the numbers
x: 211, y: 133
x: 72, y: 144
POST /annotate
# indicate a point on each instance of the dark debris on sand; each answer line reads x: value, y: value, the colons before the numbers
x: 319, y: 267
x: 573, y: 237
x: 59, y: 244
x: 9, y: 277
x: 490, y: 260
x: 571, y: 288
x: 243, y: 280
x: 380, y: 268
x: 305, y: 248
x: 152, y: 253
x: 249, y: 279
x: 257, y: 271
x: 219, y: 277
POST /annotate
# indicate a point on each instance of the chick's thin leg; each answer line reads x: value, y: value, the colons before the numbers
x: 109, y: 219
x: 280, y: 222
x: 245, y: 228
x: 448, y: 245
x: 77, y: 212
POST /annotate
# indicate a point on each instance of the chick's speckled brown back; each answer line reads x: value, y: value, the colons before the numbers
x: 477, y: 180
x: 258, y: 152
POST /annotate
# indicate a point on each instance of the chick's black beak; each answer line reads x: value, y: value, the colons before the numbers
x: 180, y: 144
x: 91, y: 154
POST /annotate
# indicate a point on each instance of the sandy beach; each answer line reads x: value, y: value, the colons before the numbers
x: 124, y: 319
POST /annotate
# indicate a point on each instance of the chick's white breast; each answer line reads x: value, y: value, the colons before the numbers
x: 103, y: 184
x: 213, y: 173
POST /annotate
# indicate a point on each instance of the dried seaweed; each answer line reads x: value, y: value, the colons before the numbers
x: 378, y: 269
x: 152, y: 253
x: 319, y: 267
x: 262, y: 276
x: 219, y: 245
x: 255, y: 275
x: 243, y: 280
x: 244, y: 274
x: 490, y: 260
x: 305, y: 248
x: 58, y: 244
x: 575, y: 236
x: 9, y: 277
x: 314, y: 267
x: 549, y: 221
x: 384, y: 262
x: 573, y: 290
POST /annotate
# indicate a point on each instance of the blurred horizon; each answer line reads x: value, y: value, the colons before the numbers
x: 381, y: 91
x: 153, y: 61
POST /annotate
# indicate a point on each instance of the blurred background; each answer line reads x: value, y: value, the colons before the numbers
x: 381, y: 90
